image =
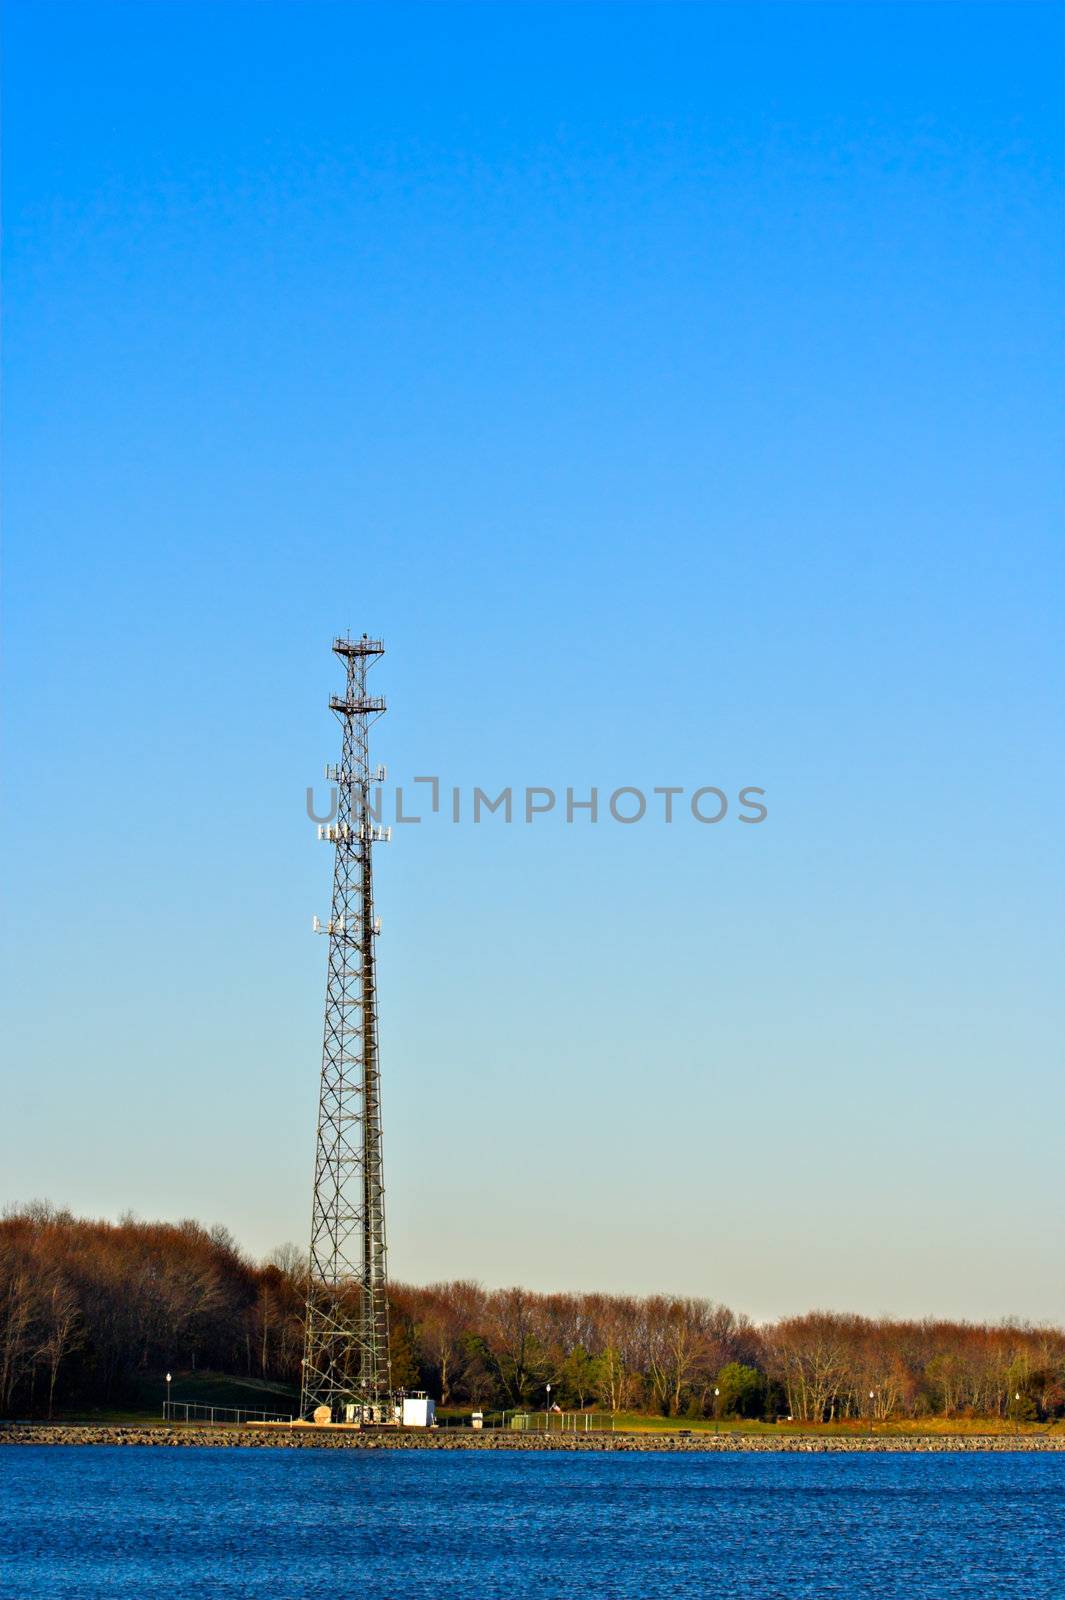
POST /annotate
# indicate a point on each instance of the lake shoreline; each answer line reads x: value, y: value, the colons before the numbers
x: 454, y: 1439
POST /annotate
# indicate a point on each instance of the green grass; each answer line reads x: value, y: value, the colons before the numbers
x: 924, y: 1427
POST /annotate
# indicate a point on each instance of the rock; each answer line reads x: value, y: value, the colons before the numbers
x: 216, y: 1437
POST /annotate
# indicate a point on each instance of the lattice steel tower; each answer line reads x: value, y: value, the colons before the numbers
x: 346, y: 1352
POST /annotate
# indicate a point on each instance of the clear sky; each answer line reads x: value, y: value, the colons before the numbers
x: 677, y: 390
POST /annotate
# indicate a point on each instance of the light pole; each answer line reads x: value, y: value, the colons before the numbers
x: 717, y: 1410
x: 169, y: 1417
x: 547, y: 1413
x: 872, y: 1395
x: 1016, y: 1412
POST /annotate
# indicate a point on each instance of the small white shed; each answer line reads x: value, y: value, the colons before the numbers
x: 419, y: 1411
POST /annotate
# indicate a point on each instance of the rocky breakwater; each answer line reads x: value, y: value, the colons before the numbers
x: 498, y: 1439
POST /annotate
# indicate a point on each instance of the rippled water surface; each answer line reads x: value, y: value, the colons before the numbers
x: 87, y: 1523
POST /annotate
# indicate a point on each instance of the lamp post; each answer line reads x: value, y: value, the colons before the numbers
x: 1016, y: 1412
x: 547, y: 1413
x: 168, y: 1380
x: 872, y: 1396
x: 717, y: 1410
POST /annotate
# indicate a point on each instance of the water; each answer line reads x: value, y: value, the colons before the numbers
x: 85, y: 1524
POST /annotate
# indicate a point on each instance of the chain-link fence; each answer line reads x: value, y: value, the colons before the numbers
x: 559, y: 1421
x: 195, y: 1411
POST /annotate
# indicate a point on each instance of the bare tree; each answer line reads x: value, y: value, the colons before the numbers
x: 63, y: 1332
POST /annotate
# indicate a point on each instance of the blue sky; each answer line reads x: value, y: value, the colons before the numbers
x: 678, y: 391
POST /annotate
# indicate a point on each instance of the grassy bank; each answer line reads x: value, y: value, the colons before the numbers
x: 142, y: 1405
x: 923, y: 1428
x: 143, y: 1401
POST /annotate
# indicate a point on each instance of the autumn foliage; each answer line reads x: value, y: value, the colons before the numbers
x: 88, y: 1308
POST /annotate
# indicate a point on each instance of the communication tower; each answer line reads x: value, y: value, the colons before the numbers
x: 346, y: 1361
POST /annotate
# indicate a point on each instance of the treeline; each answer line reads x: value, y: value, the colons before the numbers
x: 88, y: 1309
